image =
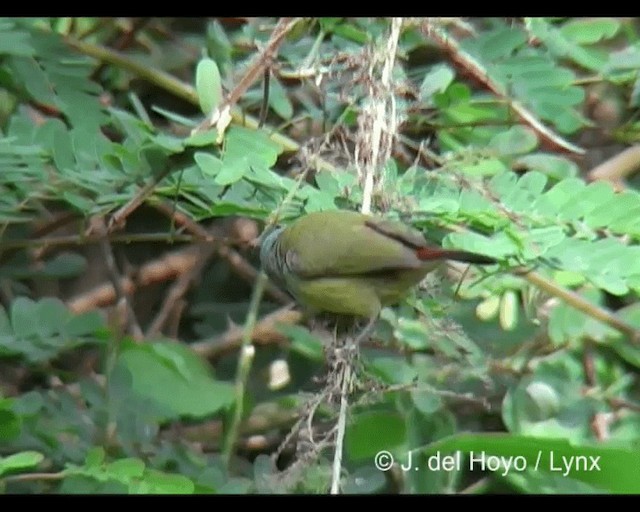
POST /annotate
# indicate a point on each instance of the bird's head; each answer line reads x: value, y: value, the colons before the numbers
x: 266, y: 242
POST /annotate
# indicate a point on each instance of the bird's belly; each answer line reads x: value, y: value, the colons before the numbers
x: 359, y: 296
x: 344, y: 296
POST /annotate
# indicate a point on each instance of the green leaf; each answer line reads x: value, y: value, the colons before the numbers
x: 124, y: 469
x: 540, y: 240
x: 498, y: 246
x: 254, y: 145
x: 531, y: 75
x: 551, y: 403
x: 158, y: 367
x: 244, y: 149
x: 209, y: 164
x: 371, y: 432
x: 35, y: 79
x: 627, y: 58
x: 157, y: 482
x: 590, y: 31
x: 20, y: 461
x: 552, y: 166
x: 393, y: 370
x: 279, y: 99
x: 232, y: 170
x: 366, y: 480
x: 64, y: 265
x: 22, y: 315
x: 615, y: 210
x: 436, y: 80
x: 200, y: 139
x: 51, y: 314
x: 208, y: 85
x: 516, y: 140
x: 614, y: 469
x: 40, y: 330
x: 413, y: 333
x: 95, y: 456
x: 9, y: 422
x: 560, y: 45
x: 303, y: 341
x: 107, y: 477
x: 83, y: 324
x: 536, y: 482
x: 498, y: 43
x: 14, y: 41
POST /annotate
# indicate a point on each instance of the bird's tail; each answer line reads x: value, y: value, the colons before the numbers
x: 433, y: 254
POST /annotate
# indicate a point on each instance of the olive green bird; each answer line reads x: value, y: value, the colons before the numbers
x: 350, y: 263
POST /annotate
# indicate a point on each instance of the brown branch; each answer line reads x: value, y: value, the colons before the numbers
x: 620, y: 403
x: 179, y: 288
x: 600, y: 425
x: 183, y: 220
x: 237, y: 262
x: 167, y: 267
x: 121, y: 41
x: 264, y: 333
x: 618, y: 167
x: 117, y: 220
x: 452, y: 47
x: 263, y: 419
x: 255, y: 70
x: 583, y: 305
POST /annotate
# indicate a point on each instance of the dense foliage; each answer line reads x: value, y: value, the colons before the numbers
x: 139, y: 157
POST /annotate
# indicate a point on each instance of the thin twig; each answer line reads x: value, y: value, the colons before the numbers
x: 123, y: 238
x: 600, y: 421
x: 132, y: 325
x: 345, y: 378
x: 118, y: 218
x: 244, y: 269
x: 620, y: 403
x: 183, y: 220
x: 237, y: 262
x: 245, y: 361
x: 477, y: 487
x: 27, y: 477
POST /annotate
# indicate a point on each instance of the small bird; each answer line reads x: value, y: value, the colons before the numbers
x: 350, y: 263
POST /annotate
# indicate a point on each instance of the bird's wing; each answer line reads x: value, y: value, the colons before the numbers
x: 349, y: 243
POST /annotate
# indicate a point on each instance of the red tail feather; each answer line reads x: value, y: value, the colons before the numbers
x: 433, y: 254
